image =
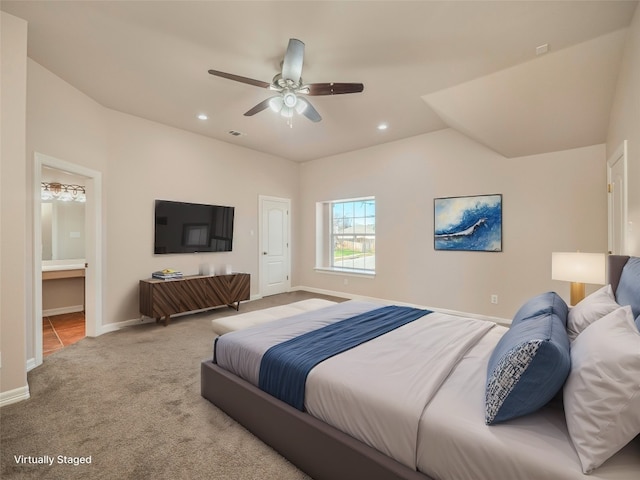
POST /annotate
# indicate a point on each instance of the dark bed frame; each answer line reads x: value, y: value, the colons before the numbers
x: 321, y: 451
x: 318, y: 449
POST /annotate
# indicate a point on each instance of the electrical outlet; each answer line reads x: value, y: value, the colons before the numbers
x: 494, y: 299
x: 346, y: 281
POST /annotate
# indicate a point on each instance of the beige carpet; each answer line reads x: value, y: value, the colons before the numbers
x: 130, y: 400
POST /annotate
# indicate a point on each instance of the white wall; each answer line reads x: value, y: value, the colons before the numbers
x: 625, y: 125
x: 149, y: 161
x: 13, y: 180
x: 141, y: 161
x: 551, y: 202
x: 65, y: 124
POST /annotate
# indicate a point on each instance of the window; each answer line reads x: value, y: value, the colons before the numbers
x: 349, y: 244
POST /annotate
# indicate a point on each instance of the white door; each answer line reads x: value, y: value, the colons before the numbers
x: 274, y: 245
x: 617, y: 188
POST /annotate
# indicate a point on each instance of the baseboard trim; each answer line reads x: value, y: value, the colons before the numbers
x: 14, y: 396
x: 333, y: 293
x: 31, y: 364
x: 112, y: 327
x: 62, y: 310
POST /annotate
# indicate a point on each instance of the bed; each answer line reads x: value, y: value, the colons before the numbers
x: 339, y: 431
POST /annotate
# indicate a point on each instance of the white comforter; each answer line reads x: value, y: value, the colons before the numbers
x: 377, y: 391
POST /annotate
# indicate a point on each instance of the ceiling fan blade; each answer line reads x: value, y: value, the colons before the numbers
x: 308, y: 111
x: 263, y: 105
x: 334, y: 88
x: 292, y: 65
x: 238, y: 78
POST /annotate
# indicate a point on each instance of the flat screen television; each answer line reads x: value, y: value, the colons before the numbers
x: 192, y: 227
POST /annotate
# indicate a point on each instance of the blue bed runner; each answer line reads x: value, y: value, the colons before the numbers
x: 284, y: 367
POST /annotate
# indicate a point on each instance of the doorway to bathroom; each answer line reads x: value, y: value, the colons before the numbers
x: 62, y: 207
x: 67, y: 255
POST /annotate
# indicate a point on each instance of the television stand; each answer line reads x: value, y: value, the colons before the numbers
x: 162, y: 298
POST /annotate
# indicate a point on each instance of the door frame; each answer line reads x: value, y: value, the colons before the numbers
x: 261, y: 272
x: 93, y: 249
x: 620, y: 154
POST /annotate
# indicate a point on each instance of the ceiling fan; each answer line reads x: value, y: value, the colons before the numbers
x: 290, y: 86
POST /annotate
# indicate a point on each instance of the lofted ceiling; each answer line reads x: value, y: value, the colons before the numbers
x: 425, y: 65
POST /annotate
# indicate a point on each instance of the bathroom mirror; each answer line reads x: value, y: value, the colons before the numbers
x: 62, y: 217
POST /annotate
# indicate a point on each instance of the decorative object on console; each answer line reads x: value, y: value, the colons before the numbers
x: 166, y: 274
x: 468, y: 223
x: 224, y: 270
x: 205, y: 269
x: 578, y: 268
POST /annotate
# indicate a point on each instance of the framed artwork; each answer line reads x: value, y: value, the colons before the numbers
x: 472, y: 223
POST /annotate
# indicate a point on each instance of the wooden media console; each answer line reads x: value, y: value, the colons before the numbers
x: 163, y: 298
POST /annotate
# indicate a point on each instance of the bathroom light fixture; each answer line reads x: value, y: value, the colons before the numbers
x: 62, y: 192
x: 383, y: 126
x: 202, y: 116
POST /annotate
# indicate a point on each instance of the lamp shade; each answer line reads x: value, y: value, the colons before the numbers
x: 578, y: 267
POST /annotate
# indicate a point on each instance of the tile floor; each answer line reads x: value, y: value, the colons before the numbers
x: 59, y: 331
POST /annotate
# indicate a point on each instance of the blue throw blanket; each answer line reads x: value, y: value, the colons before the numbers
x: 284, y: 367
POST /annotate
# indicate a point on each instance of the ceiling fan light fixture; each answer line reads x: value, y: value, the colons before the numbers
x: 301, y: 106
x: 289, y: 98
x: 288, y: 83
x: 275, y: 104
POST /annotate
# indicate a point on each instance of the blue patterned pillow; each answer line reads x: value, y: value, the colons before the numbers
x: 628, y: 291
x: 549, y: 302
x: 527, y: 368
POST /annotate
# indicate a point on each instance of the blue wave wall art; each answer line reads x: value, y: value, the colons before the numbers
x: 468, y: 223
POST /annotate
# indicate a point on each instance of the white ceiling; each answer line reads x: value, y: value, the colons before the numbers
x: 425, y: 65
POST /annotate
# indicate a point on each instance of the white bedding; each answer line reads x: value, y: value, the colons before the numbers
x: 456, y: 444
x: 258, y: 317
x: 378, y: 392
x: 389, y: 382
x: 240, y: 351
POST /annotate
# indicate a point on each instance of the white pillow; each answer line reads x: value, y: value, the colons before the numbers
x: 592, y: 308
x: 602, y: 392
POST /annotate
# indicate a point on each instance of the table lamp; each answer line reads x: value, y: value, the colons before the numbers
x: 578, y: 268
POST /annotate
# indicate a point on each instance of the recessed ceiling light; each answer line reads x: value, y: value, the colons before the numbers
x: 383, y: 126
x: 202, y: 116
